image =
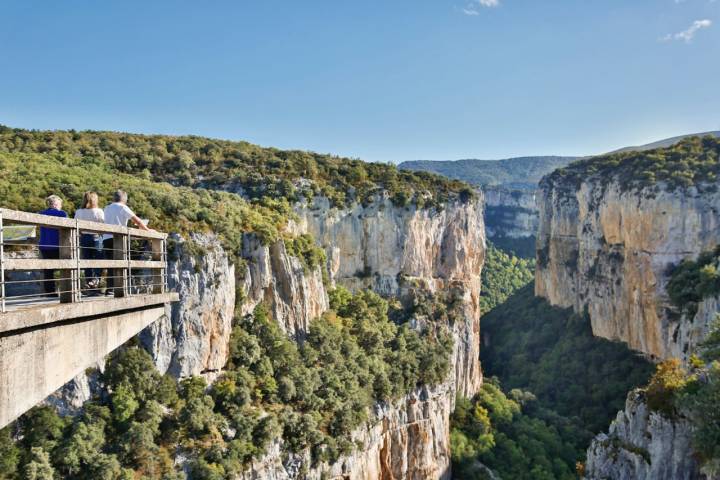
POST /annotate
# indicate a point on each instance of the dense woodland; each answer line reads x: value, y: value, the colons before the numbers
x: 693, y: 280
x: 255, y: 172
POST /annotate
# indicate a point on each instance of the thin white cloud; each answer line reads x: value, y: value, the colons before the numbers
x: 688, y: 34
x: 474, y: 6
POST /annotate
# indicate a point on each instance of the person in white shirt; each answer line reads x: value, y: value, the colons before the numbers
x: 91, y: 243
x: 118, y: 213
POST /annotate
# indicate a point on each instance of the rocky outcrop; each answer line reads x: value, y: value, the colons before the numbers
x: 295, y: 294
x: 194, y: 338
x: 511, y: 213
x: 410, y: 440
x: 643, y: 445
x: 395, y: 250
x: 608, y: 250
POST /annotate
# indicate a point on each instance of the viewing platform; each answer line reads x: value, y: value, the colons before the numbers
x: 50, y: 335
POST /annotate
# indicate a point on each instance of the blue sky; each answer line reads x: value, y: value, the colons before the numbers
x: 380, y: 80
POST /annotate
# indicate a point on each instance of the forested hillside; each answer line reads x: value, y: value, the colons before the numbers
x: 253, y: 171
x: 693, y: 161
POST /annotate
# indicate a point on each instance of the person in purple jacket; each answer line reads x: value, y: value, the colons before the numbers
x: 49, y: 244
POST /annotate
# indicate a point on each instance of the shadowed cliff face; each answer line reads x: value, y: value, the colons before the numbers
x: 510, y: 213
x: 610, y: 251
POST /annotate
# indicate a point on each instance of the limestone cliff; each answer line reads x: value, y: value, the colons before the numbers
x: 643, y: 445
x: 389, y: 249
x: 194, y: 338
x: 295, y: 294
x: 410, y: 440
x: 609, y: 250
x: 394, y: 250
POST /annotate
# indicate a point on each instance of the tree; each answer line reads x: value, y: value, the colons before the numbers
x: 39, y: 466
x: 9, y: 454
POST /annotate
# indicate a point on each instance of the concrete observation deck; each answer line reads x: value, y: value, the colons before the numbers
x: 47, y: 340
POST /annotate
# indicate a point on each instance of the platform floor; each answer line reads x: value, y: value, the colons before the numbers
x: 13, y: 303
x: 48, y: 310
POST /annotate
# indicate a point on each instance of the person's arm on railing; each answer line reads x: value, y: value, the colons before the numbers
x: 139, y: 223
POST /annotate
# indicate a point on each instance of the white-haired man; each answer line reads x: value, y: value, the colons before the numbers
x: 118, y: 213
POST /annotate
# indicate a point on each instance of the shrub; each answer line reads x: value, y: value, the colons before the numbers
x: 665, y: 385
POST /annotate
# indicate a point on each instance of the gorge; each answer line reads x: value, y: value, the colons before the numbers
x: 333, y: 316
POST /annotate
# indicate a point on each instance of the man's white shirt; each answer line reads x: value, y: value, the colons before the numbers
x: 117, y: 214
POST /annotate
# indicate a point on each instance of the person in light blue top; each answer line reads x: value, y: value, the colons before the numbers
x: 49, y: 243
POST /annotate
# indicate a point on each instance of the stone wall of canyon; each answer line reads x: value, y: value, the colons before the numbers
x: 609, y: 251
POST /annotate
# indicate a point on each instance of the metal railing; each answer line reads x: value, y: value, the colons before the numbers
x: 136, y: 263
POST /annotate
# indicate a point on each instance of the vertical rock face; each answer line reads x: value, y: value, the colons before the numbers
x: 411, y: 440
x: 296, y: 295
x: 609, y: 251
x: 393, y: 250
x: 510, y: 213
x: 642, y: 445
x: 194, y: 338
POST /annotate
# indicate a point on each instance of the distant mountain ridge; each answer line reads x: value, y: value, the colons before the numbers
x: 519, y: 172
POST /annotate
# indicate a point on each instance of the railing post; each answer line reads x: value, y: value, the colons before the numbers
x: 67, y: 252
x: 120, y: 252
x: 78, y: 256
x: 163, y: 271
x: 156, y: 278
x: 2, y: 265
x: 128, y: 248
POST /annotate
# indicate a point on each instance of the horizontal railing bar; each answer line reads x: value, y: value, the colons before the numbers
x: 42, y: 280
x: 71, y: 264
x: 36, y: 246
x: 88, y: 289
x: 28, y: 218
x: 17, y: 282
